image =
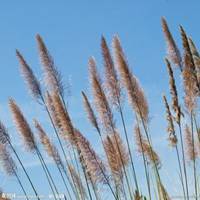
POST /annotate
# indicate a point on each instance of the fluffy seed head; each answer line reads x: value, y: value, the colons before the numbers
x: 145, y: 148
x: 90, y: 112
x: 135, y: 92
x: 51, y: 109
x: 172, y: 49
x: 7, y: 161
x: 4, y: 136
x: 63, y: 118
x: 170, y: 128
x: 77, y: 181
x: 190, y: 77
x: 173, y: 92
x: 89, y: 158
x: 29, y: 77
x: 52, y: 76
x: 100, y: 100
x: 112, y: 84
x: 48, y: 145
x: 22, y: 126
x: 117, y: 155
x: 190, y: 144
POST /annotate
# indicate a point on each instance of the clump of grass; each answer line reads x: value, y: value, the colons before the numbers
x: 84, y: 173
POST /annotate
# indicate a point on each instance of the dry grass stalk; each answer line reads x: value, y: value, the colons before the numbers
x: 186, y: 47
x: 151, y: 154
x: 89, y: 158
x: 170, y: 128
x: 189, y: 75
x: 188, y: 61
x: 64, y: 122
x: 77, y: 181
x: 196, y: 57
x: 4, y: 136
x: 29, y: 77
x: 113, y: 144
x: 189, y: 66
x: 51, y: 109
x: 173, y: 92
x: 139, y: 138
x: 143, y: 146
x: 112, y: 84
x: 193, y: 48
x: 172, y: 49
x: 48, y: 145
x: 52, y: 77
x: 22, y: 126
x: 135, y: 92
x: 197, y: 65
x: 190, y: 145
x: 100, y: 100
x: 7, y: 162
x: 190, y: 90
x: 90, y: 112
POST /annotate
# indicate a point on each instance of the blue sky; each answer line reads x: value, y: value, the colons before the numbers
x: 72, y: 32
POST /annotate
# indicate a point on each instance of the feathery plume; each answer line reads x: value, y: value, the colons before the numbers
x: 170, y: 128
x: 63, y: 118
x: 190, y: 89
x: 90, y: 112
x: 197, y: 65
x: 7, y: 161
x: 172, y: 49
x: 135, y: 93
x: 89, y: 158
x: 4, y: 136
x: 100, y: 100
x: 196, y: 57
x: 139, y: 139
x: 193, y: 48
x: 190, y: 79
x: 51, y: 109
x: 188, y: 61
x: 22, y: 126
x: 189, y: 69
x: 52, y: 77
x: 144, y: 147
x: 48, y: 146
x: 112, y: 83
x: 77, y: 181
x: 173, y: 92
x: 151, y: 154
x: 113, y: 144
x: 190, y: 146
x: 29, y: 77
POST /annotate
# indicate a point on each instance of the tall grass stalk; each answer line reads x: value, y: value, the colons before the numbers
x: 183, y: 160
x: 194, y: 160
